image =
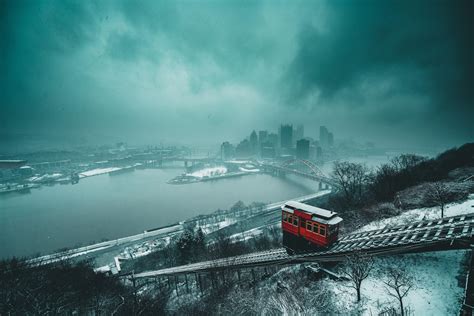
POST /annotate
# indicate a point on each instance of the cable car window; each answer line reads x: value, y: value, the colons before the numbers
x: 308, y: 226
x: 322, y: 230
x: 315, y: 228
x: 295, y: 221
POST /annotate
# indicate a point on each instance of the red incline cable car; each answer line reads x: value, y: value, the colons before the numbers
x: 308, y: 228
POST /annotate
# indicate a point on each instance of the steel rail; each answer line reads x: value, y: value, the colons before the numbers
x: 429, y: 235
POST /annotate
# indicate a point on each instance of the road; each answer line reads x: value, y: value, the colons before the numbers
x: 117, y: 244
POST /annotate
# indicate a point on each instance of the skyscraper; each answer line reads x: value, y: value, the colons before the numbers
x: 267, y: 150
x: 319, y: 152
x: 253, y: 142
x: 243, y: 149
x: 286, y: 136
x: 330, y: 139
x: 323, y: 136
x: 302, y: 149
x: 299, y: 133
x: 273, y: 139
x: 262, y: 136
x: 227, y: 151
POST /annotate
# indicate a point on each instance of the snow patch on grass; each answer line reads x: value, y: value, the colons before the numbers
x: 212, y: 227
x: 246, y: 235
x: 436, y: 292
x: 427, y: 213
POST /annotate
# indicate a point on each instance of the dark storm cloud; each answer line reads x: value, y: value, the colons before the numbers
x: 429, y: 44
x: 150, y: 71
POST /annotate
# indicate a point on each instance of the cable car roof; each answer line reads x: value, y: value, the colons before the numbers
x: 319, y: 214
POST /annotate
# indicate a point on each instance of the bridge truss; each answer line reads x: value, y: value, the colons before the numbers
x: 310, y: 170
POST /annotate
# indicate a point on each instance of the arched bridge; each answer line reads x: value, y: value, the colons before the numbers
x: 301, y: 167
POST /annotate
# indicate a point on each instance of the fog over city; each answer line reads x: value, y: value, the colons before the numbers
x: 236, y: 157
x: 396, y: 73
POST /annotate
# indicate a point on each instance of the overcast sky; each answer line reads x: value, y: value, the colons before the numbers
x: 399, y: 73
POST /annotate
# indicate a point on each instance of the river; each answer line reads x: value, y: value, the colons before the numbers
x: 108, y: 207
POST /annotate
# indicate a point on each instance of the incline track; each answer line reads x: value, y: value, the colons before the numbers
x: 431, y: 235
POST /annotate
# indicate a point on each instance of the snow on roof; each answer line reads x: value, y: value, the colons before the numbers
x: 319, y: 214
x: 333, y: 221
x: 311, y: 209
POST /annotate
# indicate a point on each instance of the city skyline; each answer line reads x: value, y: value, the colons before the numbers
x: 78, y: 73
x: 247, y: 157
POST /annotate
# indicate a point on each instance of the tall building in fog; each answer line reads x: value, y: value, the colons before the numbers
x: 262, y: 136
x: 253, y: 142
x: 267, y: 150
x: 319, y: 153
x: 330, y: 139
x: 323, y: 136
x: 243, y: 149
x: 227, y: 151
x: 286, y: 136
x: 272, y: 138
x: 326, y: 138
x: 299, y: 132
x: 302, y: 149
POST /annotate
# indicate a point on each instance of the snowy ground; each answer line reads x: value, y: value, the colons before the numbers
x: 212, y: 227
x: 98, y: 171
x: 45, y: 177
x: 428, y: 213
x: 246, y: 235
x: 436, y: 292
x: 248, y: 170
x: 208, y: 172
x: 238, y: 162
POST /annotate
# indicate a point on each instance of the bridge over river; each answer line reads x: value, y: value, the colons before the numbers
x: 300, y: 167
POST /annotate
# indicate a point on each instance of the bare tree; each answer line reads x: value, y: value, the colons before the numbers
x: 357, y: 268
x: 144, y: 298
x: 238, y: 206
x: 407, y: 161
x: 352, y: 179
x: 398, y: 284
x: 438, y: 193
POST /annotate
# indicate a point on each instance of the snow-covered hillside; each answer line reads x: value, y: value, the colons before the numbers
x: 427, y: 213
x: 436, y: 290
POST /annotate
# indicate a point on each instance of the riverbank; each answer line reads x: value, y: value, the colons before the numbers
x: 109, y: 254
x: 109, y: 207
x: 17, y: 188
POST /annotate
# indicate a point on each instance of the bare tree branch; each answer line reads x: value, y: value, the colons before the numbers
x: 398, y: 284
x: 357, y: 268
x: 438, y: 193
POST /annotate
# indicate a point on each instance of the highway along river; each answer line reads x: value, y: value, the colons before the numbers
x: 108, y: 207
